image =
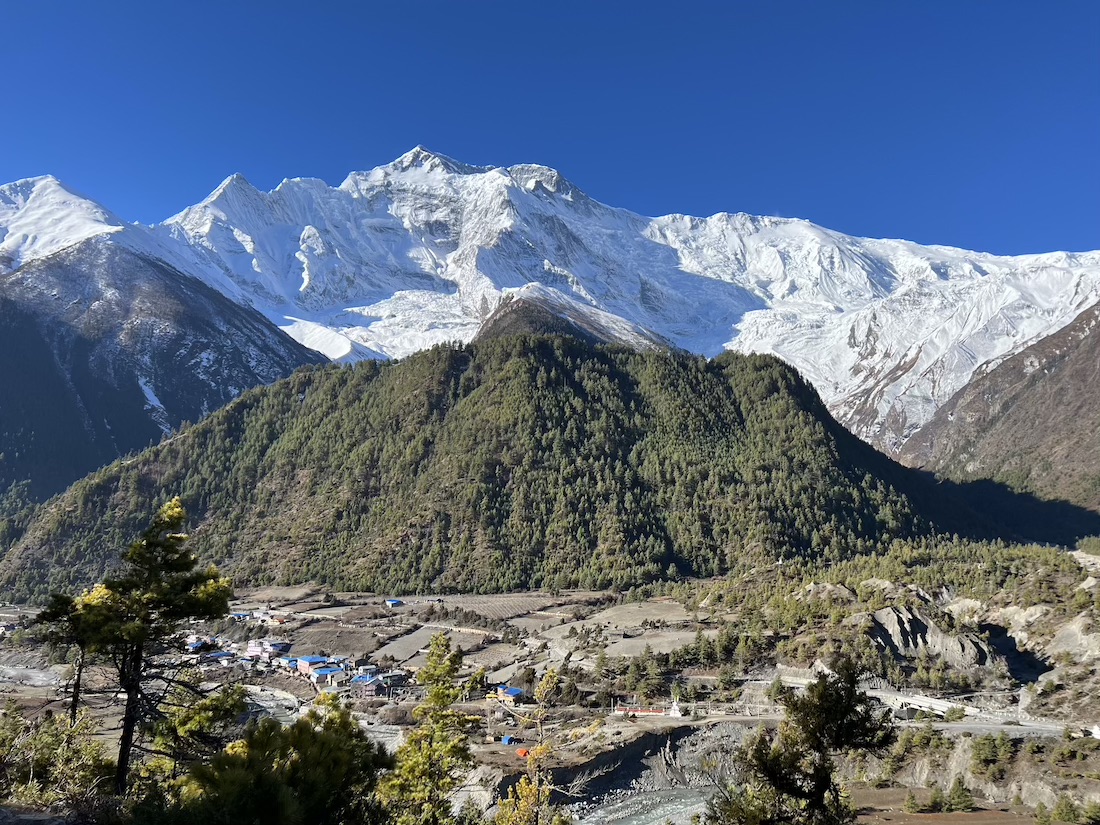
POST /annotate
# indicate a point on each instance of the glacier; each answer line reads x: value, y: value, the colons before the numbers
x: 422, y: 250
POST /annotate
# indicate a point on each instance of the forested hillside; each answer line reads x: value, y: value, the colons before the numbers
x: 514, y: 462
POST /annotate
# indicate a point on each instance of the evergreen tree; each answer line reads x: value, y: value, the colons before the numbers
x: 1090, y: 814
x: 1065, y: 810
x: 133, y: 616
x: 911, y: 806
x: 789, y: 776
x: 67, y: 625
x: 50, y: 761
x: 321, y: 770
x: 192, y: 724
x: 959, y: 798
x: 937, y: 802
x: 528, y: 803
x: 436, y: 755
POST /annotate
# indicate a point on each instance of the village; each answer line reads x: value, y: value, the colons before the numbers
x: 617, y: 719
x: 302, y: 642
x: 287, y: 646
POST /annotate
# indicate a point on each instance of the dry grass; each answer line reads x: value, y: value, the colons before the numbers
x: 878, y: 805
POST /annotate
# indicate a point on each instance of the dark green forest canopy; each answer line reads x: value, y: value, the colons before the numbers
x: 510, y: 463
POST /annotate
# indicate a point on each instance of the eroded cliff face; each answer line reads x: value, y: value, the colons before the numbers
x: 911, y: 633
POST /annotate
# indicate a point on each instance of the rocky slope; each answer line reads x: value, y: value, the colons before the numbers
x: 1032, y: 422
x: 105, y: 347
x: 103, y: 351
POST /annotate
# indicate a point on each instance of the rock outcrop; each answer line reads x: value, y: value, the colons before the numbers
x: 909, y: 632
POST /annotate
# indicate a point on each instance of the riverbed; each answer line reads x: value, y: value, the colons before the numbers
x: 676, y: 805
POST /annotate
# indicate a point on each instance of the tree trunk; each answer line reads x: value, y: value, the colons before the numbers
x: 78, y: 674
x: 131, y: 684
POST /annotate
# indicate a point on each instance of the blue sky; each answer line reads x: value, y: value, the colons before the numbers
x: 974, y: 124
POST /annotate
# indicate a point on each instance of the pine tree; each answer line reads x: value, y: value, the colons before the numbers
x: 321, y: 770
x: 67, y: 625
x: 789, y: 776
x: 528, y: 803
x: 436, y: 755
x: 193, y: 724
x: 50, y: 761
x: 937, y: 802
x: 959, y: 798
x: 133, y: 616
x: 1090, y: 815
x: 911, y: 806
x: 1065, y: 810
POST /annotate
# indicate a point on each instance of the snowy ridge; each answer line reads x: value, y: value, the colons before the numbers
x: 422, y: 250
x: 40, y: 216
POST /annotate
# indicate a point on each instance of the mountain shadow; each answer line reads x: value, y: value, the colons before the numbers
x: 1031, y: 422
x: 982, y: 509
x: 1023, y: 665
x: 1022, y: 516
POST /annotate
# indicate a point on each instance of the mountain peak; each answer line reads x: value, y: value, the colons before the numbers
x: 234, y: 183
x: 532, y: 176
x: 536, y: 310
x: 41, y: 215
x: 18, y: 193
x: 422, y: 157
x: 231, y: 196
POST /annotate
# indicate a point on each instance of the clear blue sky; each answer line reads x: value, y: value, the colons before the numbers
x: 975, y: 124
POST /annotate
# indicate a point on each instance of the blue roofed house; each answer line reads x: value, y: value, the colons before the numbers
x: 509, y: 695
x: 327, y: 676
x: 308, y: 664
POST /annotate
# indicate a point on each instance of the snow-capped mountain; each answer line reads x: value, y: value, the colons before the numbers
x: 105, y: 347
x: 423, y: 249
